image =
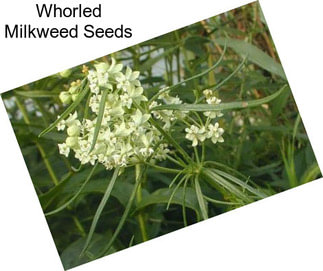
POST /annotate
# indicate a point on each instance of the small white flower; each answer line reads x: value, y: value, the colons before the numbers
x: 61, y: 125
x: 208, y: 93
x: 122, y: 131
x: 101, y: 67
x: 128, y: 79
x: 64, y: 149
x: 139, y: 118
x: 114, y: 67
x: 215, y: 133
x: 213, y: 100
x: 126, y: 100
x: 195, y: 134
x: 72, y: 119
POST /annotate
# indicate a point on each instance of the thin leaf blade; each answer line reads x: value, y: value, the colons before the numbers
x: 69, y: 110
x: 222, y: 106
x: 254, y: 55
x: 100, y: 209
x: 37, y: 93
x: 99, y: 119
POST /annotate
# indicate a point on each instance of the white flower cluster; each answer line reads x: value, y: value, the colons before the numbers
x: 125, y: 136
x: 199, y: 133
x: 212, y: 99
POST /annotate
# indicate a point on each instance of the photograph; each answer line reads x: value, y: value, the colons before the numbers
x: 161, y: 135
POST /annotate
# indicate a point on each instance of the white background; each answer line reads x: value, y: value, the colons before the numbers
x: 283, y: 232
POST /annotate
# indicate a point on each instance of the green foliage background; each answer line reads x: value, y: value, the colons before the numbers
x: 267, y: 145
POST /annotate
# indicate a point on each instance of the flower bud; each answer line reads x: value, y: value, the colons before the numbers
x: 65, y: 73
x: 74, y: 97
x: 65, y: 97
x: 73, y: 130
x: 71, y: 141
x: 73, y: 89
x: 101, y: 67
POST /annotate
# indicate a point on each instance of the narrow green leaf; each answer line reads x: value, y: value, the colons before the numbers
x: 175, y: 179
x: 67, y: 111
x: 220, y: 201
x: 99, y: 119
x: 200, y: 198
x: 161, y: 196
x: 35, y: 129
x: 121, y: 190
x: 311, y: 173
x: 124, y: 215
x: 297, y: 122
x: 216, y: 180
x: 75, y: 195
x: 100, y: 209
x: 222, y: 106
x: 46, y: 198
x: 37, y: 93
x: 225, y: 167
x: 70, y: 255
x: 254, y: 55
x: 244, y: 185
x: 175, y: 190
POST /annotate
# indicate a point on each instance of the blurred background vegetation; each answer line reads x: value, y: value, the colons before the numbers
x: 268, y: 144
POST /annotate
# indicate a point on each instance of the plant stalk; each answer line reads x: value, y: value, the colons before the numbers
x: 140, y: 217
x: 40, y: 148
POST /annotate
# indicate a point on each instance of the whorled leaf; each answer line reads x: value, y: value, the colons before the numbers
x: 222, y: 106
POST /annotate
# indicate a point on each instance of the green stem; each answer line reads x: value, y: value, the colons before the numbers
x: 166, y: 135
x: 197, y: 155
x: 47, y: 164
x: 140, y: 216
x: 40, y: 148
x: 23, y: 111
x: 180, y: 162
x: 184, y: 178
x: 42, y: 111
x: 171, y: 140
x: 178, y: 159
x: 203, y: 152
x: 183, y: 203
x: 167, y: 70
x: 79, y: 225
x: 178, y: 65
x: 200, y: 198
x: 163, y: 169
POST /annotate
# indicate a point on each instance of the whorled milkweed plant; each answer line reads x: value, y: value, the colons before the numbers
x: 122, y: 127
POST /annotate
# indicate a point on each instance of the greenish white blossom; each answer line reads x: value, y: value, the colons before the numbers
x: 126, y: 136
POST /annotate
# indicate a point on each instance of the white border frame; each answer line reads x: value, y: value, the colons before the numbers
x: 283, y: 232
